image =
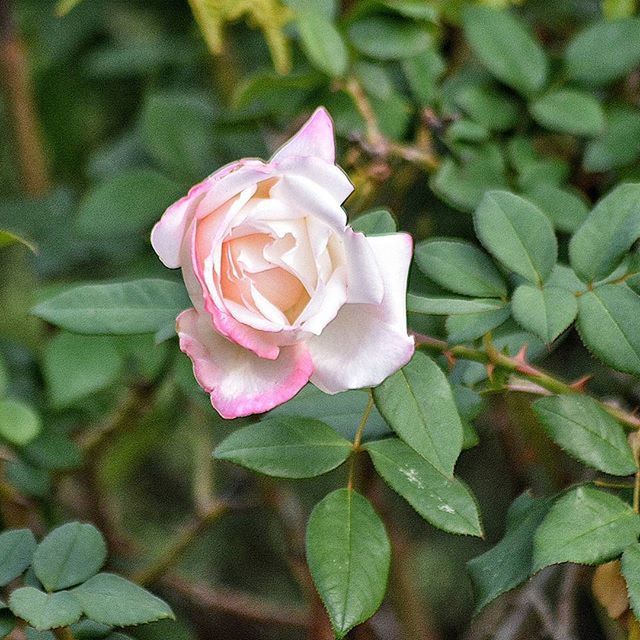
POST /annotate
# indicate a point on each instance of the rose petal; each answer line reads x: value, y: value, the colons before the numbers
x: 364, y: 280
x: 169, y: 231
x: 328, y: 176
x: 314, y: 139
x: 239, y: 382
x: 366, y: 343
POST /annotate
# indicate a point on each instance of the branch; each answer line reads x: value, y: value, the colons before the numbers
x: 14, y: 77
x: 236, y: 603
x: 543, y: 382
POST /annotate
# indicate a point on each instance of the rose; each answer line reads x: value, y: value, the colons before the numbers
x: 283, y: 290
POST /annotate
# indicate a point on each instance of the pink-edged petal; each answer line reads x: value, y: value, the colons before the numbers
x: 364, y: 280
x: 366, y: 343
x: 314, y: 139
x: 328, y: 176
x: 239, y: 382
x: 168, y: 233
x: 306, y: 197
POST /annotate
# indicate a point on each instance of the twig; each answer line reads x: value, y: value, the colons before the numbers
x: 171, y: 555
x: 236, y: 603
x: 376, y: 144
x: 357, y: 440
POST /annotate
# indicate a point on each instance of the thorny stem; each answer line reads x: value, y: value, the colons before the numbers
x: 543, y: 382
x: 357, y: 440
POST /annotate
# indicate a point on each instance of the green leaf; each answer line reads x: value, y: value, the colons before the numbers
x: 45, y: 610
x: 463, y: 184
x: 178, y: 132
x: 418, y: 404
x: 607, y: 234
x: 443, y: 501
x: 566, y: 210
x: 439, y: 306
x: 565, y: 278
x: 90, y: 630
x: 126, y: 203
x: 586, y: 526
x: 422, y: 73
x: 112, y: 600
x: 609, y: 325
x: 19, y: 423
x: 75, y: 366
x: 619, y: 144
x: 615, y: 9
x: 388, y: 38
x: 580, y: 426
x: 375, y: 223
x: 631, y: 572
x: 569, y: 111
x: 546, y: 312
x: 470, y: 326
x: 16, y: 551
x: 466, y: 131
x: 69, y: 555
x: 510, y: 562
x: 8, y: 238
x: 604, y: 51
x: 349, y: 556
x: 138, y: 306
x: 488, y: 106
x: 506, y: 48
x: 286, y: 447
x: 518, y: 234
x: 341, y: 411
x: 460, y: 267
x: 322, y: 42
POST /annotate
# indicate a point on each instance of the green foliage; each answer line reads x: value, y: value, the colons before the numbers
x: 69, y: 555
x: 631, y: 571
x: 349, y: 556
x: 586, y: 526
x: 19, y: 423
x: 16, y: 551
x: 583, y: 429
x: 387, y: 38
x: 418, y: 404
x: 139, y: 306
x: 510, y: 562
x: 286, y: 447
x: 518, y: 234
x: 45, y: 610
x: 604, y: 51
x: 546, y: 311
x: 506, y: 48
x: 460, y: 267
x: 109, y: 599
x: 608, y: 325
x: 569, y: 111
x: 443, y: 501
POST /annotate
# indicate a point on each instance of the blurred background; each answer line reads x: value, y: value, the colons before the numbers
x: 110, y: 111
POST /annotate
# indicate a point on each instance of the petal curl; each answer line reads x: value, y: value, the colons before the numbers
x: 314, y: 139
x: 239, y: 382
x: 366, y: 343
x: 168, y: 233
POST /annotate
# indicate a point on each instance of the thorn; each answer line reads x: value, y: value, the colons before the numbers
x: 490, y: 369
x: 521, y: 356
x: 451, y: 359
x: 581, y: 384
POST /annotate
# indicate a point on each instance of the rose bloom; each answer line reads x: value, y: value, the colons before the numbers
x: 283, y: 290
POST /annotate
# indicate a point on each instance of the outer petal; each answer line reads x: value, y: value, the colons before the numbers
x: 364, y: 280
x: 239, y: 382
x: 314, y: 139
x: 169, y: 231
x: 367, y: 342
